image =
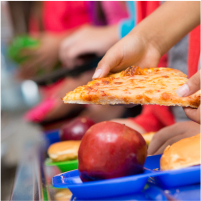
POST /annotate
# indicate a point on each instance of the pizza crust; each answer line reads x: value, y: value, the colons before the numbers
x: 136, y: 86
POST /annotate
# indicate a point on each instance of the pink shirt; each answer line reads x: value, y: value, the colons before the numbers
x: 114, y: 11
x: 60, y: 16
x: 63, y: 15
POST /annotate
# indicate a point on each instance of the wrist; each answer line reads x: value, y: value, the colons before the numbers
x: 147, y: 48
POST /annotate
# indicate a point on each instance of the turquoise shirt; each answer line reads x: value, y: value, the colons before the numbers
x: 126, y: 26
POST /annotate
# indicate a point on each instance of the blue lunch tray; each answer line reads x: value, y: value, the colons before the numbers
x: 100, y: 189
x: 172, y: 178
x: 127, y: 185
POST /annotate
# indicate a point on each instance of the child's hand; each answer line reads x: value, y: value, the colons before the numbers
x: 171, y: 134
x: 131, y: 50
x: 87, y: 40
x: 45, y: 56
x: 191, y: 86
x: 152, y: 37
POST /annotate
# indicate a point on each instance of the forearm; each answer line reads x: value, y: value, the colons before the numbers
x: 168, y: 24
x: 151, y: 38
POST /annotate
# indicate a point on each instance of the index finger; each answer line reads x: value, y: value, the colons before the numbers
x: 108, y: 62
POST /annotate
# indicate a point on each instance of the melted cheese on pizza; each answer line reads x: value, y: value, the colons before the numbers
x: 135, y: 86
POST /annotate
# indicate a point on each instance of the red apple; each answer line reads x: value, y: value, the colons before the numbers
x: 75, y: 129
x: 110, y: 150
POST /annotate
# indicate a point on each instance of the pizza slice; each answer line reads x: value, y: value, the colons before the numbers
x: 136, y: 86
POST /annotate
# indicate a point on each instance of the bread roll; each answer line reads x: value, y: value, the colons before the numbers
x: 63, y: 195
x: 148, y: 137
x: 63, y: 151
x: 181, y: 154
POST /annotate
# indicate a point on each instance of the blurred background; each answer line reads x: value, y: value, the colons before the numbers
x: 47, y: 50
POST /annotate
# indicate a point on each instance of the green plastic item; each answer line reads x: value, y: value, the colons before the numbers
x: 18, y: 44
x: 26, y: 42
x: 64, y: 166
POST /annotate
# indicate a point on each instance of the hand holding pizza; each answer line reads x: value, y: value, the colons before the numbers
x: 189, y: 88
x: 151, y: 38
x: 132, y: 49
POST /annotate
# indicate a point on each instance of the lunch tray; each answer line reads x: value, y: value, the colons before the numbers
x: 129, y: 184
x: 63, y: 166
x: 172, y: 178
x: 52, y: 137
x: 111, y: 187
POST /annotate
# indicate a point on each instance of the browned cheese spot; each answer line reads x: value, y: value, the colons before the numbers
x: 96, y: 84
x: 126, y: 99
x: 106, y: 82
x: 195, y: 101
x: 118, y: 82
x: 166, y: 96
x: 139, y: 97
x: 89, y: 97
x: 165, y: 76
x: 131, y: 71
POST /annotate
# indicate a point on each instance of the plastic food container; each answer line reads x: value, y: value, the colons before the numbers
x: 26, y: 42
x: 63, y: 166
x: 18, y: 44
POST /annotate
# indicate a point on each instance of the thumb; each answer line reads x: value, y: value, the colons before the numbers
x: 191, y: 86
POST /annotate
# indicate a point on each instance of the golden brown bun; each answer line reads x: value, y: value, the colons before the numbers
x: 181, y: 154
x: 63, y: 195
x: 148, y: 137
x: 63, y: 151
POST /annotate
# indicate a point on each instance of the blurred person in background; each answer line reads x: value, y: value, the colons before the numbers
x: 106, y: 23
x: 107, y: 27
x: 50, y: 22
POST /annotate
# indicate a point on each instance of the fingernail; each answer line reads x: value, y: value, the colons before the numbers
x: 97, y: 74
x: 183, y: 90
